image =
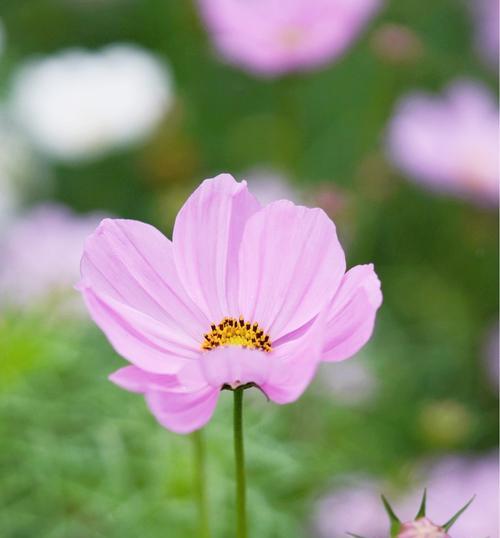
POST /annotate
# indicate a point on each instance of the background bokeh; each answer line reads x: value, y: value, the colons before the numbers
x: 418, y: 406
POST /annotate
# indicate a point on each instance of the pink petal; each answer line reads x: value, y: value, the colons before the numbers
x: 291, y: 264
x: 235, y: 366
x: 252, y: 34
x: 133, y: 263
x: 142, y: 340
x: 206, y: 238
x: 295, y: 362
x: 134, y: 379
x: 191, y: 377
x: 183, y: 412
x: 352, y: 313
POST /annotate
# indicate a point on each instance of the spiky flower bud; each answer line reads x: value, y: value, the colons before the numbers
x: 421, y: 526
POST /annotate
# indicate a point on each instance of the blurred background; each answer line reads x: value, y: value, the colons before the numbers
x: 385, y: 115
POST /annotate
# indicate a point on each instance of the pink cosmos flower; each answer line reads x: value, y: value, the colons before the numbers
x: 449, y: 143
x: 243, y: 294
x: 272, y: 37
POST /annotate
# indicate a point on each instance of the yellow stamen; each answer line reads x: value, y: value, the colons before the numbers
x: 237, y: 332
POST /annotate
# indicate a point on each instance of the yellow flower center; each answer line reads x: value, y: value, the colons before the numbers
x: 237, y: 332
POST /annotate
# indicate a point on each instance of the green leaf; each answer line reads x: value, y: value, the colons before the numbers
x: 395, y: 523
x: 448, y: 525
x: 423, y: 504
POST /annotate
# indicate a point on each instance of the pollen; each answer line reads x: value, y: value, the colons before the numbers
x: 237, y: 332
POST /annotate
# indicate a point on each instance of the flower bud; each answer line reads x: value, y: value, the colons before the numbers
x: 422, y: 528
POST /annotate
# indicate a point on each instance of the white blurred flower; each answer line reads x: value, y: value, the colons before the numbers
x: 19, y: 171
x: 78, y: 104
x: 269, y: 186
x: 40, y: 255
x: 352, y: 383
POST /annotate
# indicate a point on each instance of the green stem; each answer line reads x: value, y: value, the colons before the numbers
x: 290, y: 145
x: 200, y: 484
x: 239, y: 456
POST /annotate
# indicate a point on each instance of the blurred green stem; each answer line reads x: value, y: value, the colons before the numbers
x: 239, y: 456
x: 200, y: 483
x: 289, y: 146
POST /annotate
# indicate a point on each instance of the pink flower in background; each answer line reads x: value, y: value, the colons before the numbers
x: 243, y: 294
x: 397, y: 44
x: 449, y: 143
x: 39, y: 254
x: 490, y: 354
x: 486, y: 13
x: 356, y: 508
x: 272, y: 37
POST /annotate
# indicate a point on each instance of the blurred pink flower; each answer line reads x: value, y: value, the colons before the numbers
x: 356, y: 509
x: 486, y: 13
x: 40, y: 253
x: 243, y: 294
x: 449, y: 143
x: 422, y: 528
x: 490, y: 355
x: 396, y: 43
x: 272, y: 37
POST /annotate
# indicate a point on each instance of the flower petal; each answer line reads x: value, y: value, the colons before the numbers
x: 133, y: 263
x: 142, y: 340
x: 183, y: 412
x: 295, y: 362
x: 352, y: 313
x: 291, y: 264
x: 234, y: 366
x: 134, y: 379
x: 206, y: 239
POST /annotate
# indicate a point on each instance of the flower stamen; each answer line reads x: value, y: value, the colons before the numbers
x: 237, y: 332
